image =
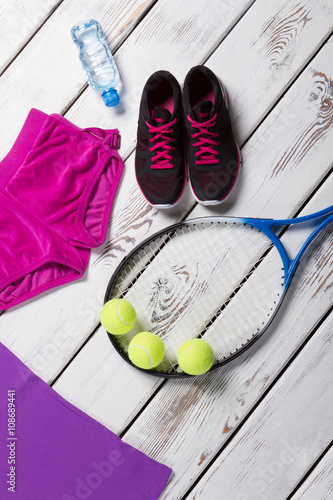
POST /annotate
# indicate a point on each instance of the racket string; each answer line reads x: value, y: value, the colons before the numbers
x: 133, y: 275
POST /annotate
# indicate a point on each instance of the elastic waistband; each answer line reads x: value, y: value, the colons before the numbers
x: 21, y: 147
x: 28, y: 135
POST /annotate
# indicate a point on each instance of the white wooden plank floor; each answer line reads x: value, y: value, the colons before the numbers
x: 261, y: 427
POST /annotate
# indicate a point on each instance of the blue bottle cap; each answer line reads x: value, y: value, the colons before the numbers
x: 111, y: 97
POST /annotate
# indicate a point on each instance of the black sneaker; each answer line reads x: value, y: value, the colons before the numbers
x: 159, y: 163
x: 213, y: 156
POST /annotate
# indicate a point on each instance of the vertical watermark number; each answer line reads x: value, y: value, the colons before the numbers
x: 11, y: 440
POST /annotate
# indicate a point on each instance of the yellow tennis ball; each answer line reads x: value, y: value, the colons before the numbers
x: 118, y: 316
x: 195, y: 356
x: 146, y: 350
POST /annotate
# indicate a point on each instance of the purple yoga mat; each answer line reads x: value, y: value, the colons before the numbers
x: 51, y: 450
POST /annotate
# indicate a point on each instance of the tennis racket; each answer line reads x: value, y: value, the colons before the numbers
x: 217, y: 278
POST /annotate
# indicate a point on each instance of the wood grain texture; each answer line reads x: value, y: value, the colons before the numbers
x: 49, y: 346
x: 269, y: 455
x: 19, y: 20
x: 188, y: 421
x: 114, y: 391
x: 162, y: 41
x: 75, y: 309
x: 257, y: 79
x: 201, y: 279
x: 47, y: 74
x: 277, y: 40
x: 319, y: 484
x: 80, y: 302
x: 284, y: 150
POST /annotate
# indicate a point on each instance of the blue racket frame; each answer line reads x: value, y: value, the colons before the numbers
x: 266, y: 225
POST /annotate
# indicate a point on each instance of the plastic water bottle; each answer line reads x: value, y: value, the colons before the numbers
x: 97, y: 60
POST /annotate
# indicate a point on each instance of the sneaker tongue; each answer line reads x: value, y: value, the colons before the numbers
x: 202, y: 111
x: 161, y: 115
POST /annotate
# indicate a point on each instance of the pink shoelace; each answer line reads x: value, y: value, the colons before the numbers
x: 205, y: 143
x: 162, y: 157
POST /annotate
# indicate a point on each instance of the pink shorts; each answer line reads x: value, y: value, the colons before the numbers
x: 57, y: 185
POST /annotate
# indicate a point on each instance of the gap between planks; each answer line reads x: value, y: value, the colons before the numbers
x: 280, y: 97
x: 136, y: 23
x: 192, y: 207
x: 256, y: 405
x: 296, y: 353
x: 204, y: 60
x: 292, y: 81
x: 311, y: 469
x: 278, y: 376
x: 125, y: 158
x: 47, y: 17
